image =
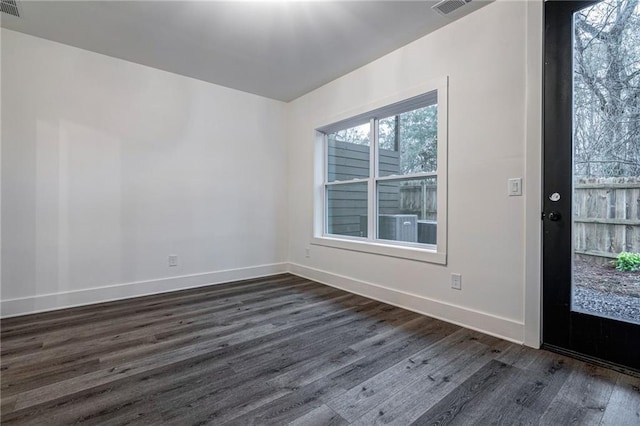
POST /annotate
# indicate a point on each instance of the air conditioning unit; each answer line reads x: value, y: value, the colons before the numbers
x: 427, y: 231
x: 398, y: 227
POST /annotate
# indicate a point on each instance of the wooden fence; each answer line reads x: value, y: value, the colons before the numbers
x: 606, y: 216
x: 420, y: 198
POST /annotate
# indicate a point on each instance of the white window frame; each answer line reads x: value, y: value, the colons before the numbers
x: 414, y: 251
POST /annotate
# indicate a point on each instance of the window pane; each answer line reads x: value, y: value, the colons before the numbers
x: 347, y: 209
x: 408, y: 142
x: 349, y: 153
x: 407, y: 210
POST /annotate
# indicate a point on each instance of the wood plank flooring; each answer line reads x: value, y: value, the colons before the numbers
x: 285, y: 350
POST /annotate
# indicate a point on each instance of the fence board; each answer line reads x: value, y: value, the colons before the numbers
x: 630, y: 222
x: 607, y: 216
x: 420, y: 200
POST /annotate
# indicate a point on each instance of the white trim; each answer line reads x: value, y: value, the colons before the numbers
x: 483, y: 322
x: 413, y: 176
x: 443, y: 166
x: 319, y: 175
x: 426, y: 87
x: 342, y: 182
x: 493, y: 325
x: 68, y: 299
x: 533, y: 177
x: 372, y: 188
x: 421, y: 252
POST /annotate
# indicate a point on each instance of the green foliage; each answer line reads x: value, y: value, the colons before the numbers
x: 358, y: 135
x: 415, y: 135
x: 628, y: 261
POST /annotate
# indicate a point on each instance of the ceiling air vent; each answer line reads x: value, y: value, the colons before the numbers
x: 445, y: 7
x: 9, y: 7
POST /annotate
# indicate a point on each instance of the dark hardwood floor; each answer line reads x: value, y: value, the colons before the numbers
x: 283, y: 350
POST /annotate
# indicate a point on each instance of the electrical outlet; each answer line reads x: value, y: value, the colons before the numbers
x: 307, y: 252
x: 173, y: 260
x: 456, y: 281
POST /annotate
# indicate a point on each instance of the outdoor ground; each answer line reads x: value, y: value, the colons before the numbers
x: 603, y: 290
x: 606, y: 278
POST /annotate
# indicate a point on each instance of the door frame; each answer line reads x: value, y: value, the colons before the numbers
x: 578, y: 334
x: 532, y: 184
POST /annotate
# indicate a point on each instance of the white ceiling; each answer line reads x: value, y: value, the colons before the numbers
x: 277, y: 49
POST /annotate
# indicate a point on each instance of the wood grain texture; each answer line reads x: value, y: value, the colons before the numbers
x: 286, y: 350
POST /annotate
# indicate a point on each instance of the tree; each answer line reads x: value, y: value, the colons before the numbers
x: 607, y: 90
x: 415, y: 135
x: 358, y: 135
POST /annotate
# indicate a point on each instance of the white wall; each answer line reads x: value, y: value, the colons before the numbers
x: 108, y: 167
x: 492, y: 114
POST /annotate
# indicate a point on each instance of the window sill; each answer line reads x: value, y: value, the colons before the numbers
x: 382, y: 249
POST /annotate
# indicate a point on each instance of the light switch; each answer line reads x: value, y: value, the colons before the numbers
x: 514, y: 187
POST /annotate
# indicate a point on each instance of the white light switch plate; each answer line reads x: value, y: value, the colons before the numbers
x: 514, y: 188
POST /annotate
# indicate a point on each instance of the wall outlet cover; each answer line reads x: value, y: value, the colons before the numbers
x: 456, y: 281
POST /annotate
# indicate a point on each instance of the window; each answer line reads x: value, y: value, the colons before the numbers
x: 382, y: 180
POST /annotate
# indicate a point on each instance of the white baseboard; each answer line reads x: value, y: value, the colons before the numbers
x: 49, y: 302
x: 481, y: 321
x: 503, y: 328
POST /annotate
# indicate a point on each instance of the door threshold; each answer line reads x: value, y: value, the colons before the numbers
x: 597, y: 361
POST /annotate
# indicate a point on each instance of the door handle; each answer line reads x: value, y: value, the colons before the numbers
x: 554, y: 216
